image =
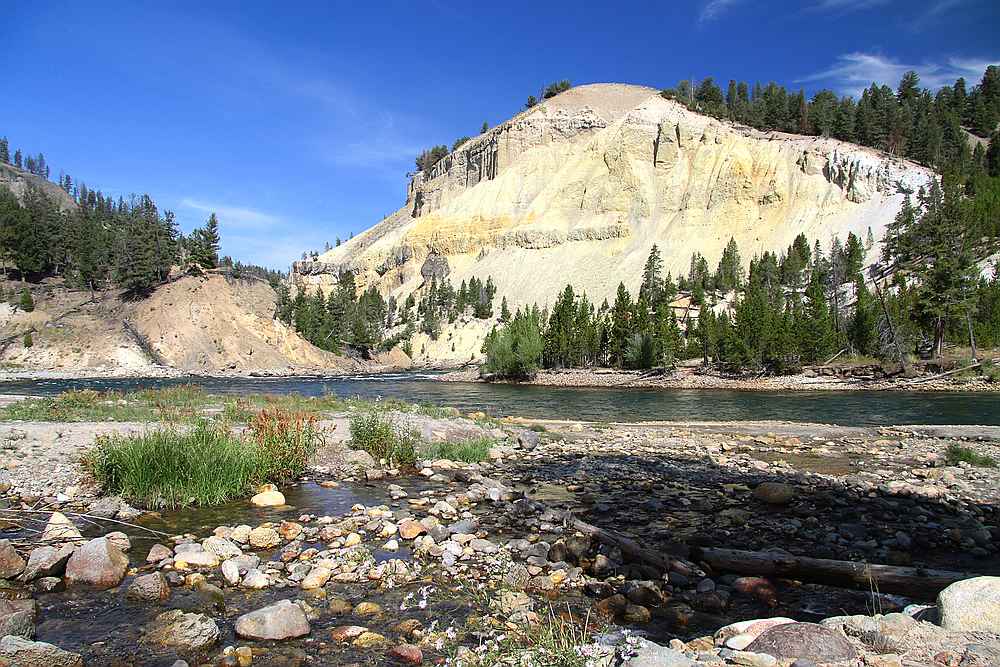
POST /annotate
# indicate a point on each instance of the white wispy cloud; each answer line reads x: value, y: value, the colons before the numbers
x: 236, y: 216
x: 853, y: 72
x: 714, y: 9
x: 933, y: 11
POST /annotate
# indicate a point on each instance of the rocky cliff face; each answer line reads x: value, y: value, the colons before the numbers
x: 578, y: 189
x: 19, y: 181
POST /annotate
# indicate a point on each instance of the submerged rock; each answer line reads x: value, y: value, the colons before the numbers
x: 971, y: 604
x: 177, y: 629
x: 96, y: 563
x: 26, y: 653
x: 149, y: 587
x: 282, y: 620
x: 17, y: 617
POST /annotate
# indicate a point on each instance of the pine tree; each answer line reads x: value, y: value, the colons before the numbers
x: 652, y: 282
x: 18, y: 159
x: 862, y: 332
x: 4, y: 151
x: 504, y: 311
x: 484, y: 128
x: 816, y: 335
x: 26, y: 302
x: 621, y: 316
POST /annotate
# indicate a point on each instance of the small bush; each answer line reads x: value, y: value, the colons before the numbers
x: 469, y: 451
x: 26, y: 303
x: 28, y: 340
x: 205, y: 465
x: 959, y: 453
x: 374, y: 433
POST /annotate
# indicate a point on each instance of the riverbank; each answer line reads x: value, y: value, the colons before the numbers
x: 694, y: 378
x: 452, y: 560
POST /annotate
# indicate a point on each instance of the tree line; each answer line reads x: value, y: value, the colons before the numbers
x: 345, y: 320
x: 911, y: 121
x: 794, y: 308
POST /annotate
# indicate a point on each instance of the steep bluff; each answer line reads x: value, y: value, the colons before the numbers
x: 19, y: 181
x: 578, y: 189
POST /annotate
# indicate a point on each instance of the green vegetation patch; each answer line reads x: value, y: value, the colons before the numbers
x: 373, y: 432
x: 469, y: 451
x: 206, y: 464
x: 960, y: 453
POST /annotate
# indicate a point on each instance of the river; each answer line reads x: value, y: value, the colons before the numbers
x: 847, y: 408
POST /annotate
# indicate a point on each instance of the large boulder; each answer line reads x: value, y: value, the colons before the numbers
x: 184, y: 631
x: 26, y: 653
x: 47, y: 561
x: 11, y: 563
x: 971, y: 604
x: 805, y: 641
x: 282, y: 620
x: 17, y: 617
x: 96, y: 563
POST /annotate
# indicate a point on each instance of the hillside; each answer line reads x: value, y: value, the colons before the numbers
x: 205, y: 325
x: 18, y: 181
x: 579, y: 188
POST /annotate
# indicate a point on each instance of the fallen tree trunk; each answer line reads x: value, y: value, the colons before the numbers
x: 913, y: 582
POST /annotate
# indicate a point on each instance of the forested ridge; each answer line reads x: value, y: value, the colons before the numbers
x: 100, y: 242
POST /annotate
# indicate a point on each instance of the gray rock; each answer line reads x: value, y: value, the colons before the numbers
x: 11, y: 563
x: 46, y: 562
x: 180, y: 630
x: 282, y: 620
x: 96, y: 563
x: 17, y: 617
x: 221, y: 547
x: 803, y: 640
x: 105, y: 508
x: 149, y: 588
x: 21, y: 652
x: 648, y: 654
x: 971, y: 604
x: 527, y: 439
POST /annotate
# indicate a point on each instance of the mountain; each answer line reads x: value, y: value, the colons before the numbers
x: 579, y: 188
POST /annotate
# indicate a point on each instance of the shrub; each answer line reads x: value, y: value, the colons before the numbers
x: 555, y: 88
x: 375, y: 434
x: 26, y: 303
x: 515, y: 351
x: 958, y: 453
x: 469, y: 451
x: 205, y: 465
x: 28, y: 341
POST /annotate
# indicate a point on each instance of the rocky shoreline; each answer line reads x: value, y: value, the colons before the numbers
x: 688, y: 378
x: 359, y: 564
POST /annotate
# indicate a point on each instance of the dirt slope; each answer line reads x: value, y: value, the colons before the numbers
x: 209, y: 325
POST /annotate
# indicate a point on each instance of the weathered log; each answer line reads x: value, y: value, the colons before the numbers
x: 628, y: 547
x: 914, y: 582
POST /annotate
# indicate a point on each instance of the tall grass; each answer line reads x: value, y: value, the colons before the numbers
x: 372, y: 432
x: 473, y: 450
x: 960, y: 453
x: 206, y: 464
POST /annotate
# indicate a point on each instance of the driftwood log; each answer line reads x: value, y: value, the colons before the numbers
x: 914, y: 582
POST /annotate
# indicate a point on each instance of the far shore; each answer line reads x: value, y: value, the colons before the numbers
x: 690, y: 378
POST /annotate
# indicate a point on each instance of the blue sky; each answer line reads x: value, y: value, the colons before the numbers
x: 297, y: 122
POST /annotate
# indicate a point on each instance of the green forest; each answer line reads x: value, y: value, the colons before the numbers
x: 792, y: 309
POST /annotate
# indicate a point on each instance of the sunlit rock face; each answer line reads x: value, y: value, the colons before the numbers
x: 578, y: 189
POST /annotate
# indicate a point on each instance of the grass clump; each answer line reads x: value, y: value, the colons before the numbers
x: 372, y: 432
x: 206, y: 464
x: 960, y: 453
x: 469, y: 451
x: 166, y: 404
